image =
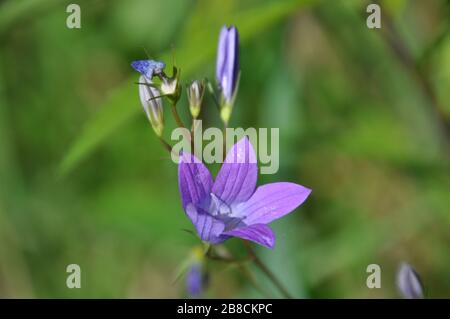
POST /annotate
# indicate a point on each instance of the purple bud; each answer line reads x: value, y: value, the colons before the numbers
x: 408, y: 282
x: 228, y: 61
x: 195, y: 281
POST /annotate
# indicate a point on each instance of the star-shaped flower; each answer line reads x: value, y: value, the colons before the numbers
x: 232, y: 205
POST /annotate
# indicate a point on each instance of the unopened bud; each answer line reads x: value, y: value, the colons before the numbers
x: 152, y: 104
x: 195, y: 94
x: 408, y: 282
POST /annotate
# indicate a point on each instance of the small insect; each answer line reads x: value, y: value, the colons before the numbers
x: 148, y: 67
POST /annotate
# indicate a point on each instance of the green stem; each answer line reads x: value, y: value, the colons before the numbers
x: 165, y: 144
x: 176, y: 116
x: 241, y: 264
x: 260, y: 264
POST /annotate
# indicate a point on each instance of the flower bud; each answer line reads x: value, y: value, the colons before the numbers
x: 227, y: 63
x: 152, y: 104
x: 408, y: 283
x: 195, y: 97
x: 227, y: 68
x: 195, y: 281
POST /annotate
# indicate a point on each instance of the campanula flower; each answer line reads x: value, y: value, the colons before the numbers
x: 152, y: 104
x: 148, y: 68
x: 195, y: 93
x: 227, y: 68
x: 232, y: 205
x: 408, y: 282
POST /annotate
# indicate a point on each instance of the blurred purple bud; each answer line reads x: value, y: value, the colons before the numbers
x: 195, y: 281
x: 228, y: 61
x: 408, y: 282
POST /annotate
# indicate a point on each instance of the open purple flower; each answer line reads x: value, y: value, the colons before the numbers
x: 232, y: 206
x: 227, y: 61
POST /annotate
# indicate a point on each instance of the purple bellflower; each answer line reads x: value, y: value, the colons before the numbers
x: 232, y: 205
x: 227, y: 68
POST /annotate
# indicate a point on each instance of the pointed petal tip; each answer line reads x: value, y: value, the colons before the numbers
x: 258, y: 233
x: 272, y: 201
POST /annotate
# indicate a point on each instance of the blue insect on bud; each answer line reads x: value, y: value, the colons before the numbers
x: 148, y: 68
x: 409, y: 283
x: 227, y: 69
x: 195, y: 94
x: 169, y: 86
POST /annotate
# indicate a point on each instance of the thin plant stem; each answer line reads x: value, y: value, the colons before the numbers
x: 243, y: 268
x: 260, y: 264
x: 166, y: 145
x: 403, y: 54
x: 225, y: 126
x: 176, y: 116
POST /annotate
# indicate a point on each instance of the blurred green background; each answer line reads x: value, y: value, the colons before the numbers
x: 364, y: 120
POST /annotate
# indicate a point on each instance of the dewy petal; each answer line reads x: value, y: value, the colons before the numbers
x: 259, y: 233
x: 221, y: 53
x: 208, y: 227
x: 272, y: 201
x: 194, y: 180
x: 236, y: 180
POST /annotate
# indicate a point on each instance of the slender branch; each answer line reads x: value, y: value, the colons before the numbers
x: 176, y: 116
x: 243, y: 268
x: 225, y: 125
x: 166, y: 145
x: 405, y: 57
x: 260, y: 264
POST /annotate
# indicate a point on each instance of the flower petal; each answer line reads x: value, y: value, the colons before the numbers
x: 409, y: 283
x: 208, y: 228
x: 194, y: 180
x: 259, y: 233
x: 272, y: 201
x: 221, y: 53
x: 237, y: 177
x: 232, y: 62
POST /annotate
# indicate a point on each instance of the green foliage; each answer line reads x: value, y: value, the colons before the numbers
x: 84, y: 180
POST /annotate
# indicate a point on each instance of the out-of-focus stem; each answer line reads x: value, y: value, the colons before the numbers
x: 405, y: 57
x: 176, y: 116
x: 241, y: 264
x: 260, y: 264
x: 166, y: 145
